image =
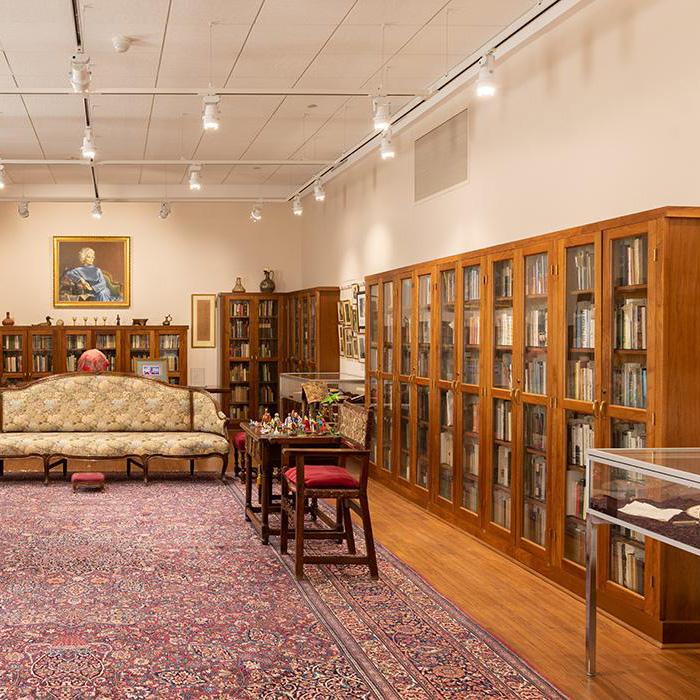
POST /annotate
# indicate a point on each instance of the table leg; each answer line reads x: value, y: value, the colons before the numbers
x: 265, y: 498
x: 248, y: 470
x: 591, y: 575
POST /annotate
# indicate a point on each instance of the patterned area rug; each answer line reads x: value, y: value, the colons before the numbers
x: 165, y: 592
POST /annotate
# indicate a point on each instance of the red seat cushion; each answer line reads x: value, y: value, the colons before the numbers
x: 92, y: 477
x: 321, y: 476
x: 239, y: 440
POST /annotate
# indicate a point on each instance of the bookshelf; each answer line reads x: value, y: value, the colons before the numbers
x: 31, y: 352
x: 492, y: 373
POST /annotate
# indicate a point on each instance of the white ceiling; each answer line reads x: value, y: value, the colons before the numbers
x: 258, y: 44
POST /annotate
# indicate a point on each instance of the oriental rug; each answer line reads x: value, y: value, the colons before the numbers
x: 165, y: 592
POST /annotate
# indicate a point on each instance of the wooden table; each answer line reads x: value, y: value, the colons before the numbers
x: 264, y: 454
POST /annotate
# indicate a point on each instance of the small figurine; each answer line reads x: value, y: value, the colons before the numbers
x: 266, y: 417
x: 59, y: 322
x: 306, y: 425
x: 167, y: 320
x: 119, y: 321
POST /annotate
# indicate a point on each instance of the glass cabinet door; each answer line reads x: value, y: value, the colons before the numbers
x: 373, y: 328
x: 471, y: 321
x: 374, y: 406
x: 77, y: 342
x: 535, y: 473
x: 406, y: 326
x: 502, y: 467
x: 139, y: 348
x: 580, y: 322
x: 405, y: 430
x: 13, y: 353
x: 239, y: 358
x: 470, y: 452
x: 536, y: 323
x: 448, y: 293
x: 423, y: 436
x: 169, y: 350
x: 503, y: 324
x: 305, y: 329
x: 312, y: 329
x: 267, y: 327
x: 424, y: 325
x: 388, y: 327
x: 387, y: 424
x: 106, y: 342
x: 42, y: 349
x: 580, y: 437
x: 267, y: 381
x: 629, y: 321
x: 447, y: 427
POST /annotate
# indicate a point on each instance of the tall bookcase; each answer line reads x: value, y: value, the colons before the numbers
x: 253, y: 347
x: 31, y: 352
x: 312, y: 336
x: 491, y: 374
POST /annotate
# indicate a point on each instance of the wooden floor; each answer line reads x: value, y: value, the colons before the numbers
x: 543, y: 624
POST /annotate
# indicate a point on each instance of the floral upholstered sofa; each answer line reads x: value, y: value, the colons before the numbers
x: 109, y: 416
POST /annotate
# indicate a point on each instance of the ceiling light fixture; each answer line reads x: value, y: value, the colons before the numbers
x: 386, y: 149
x: 256, y: 213
x: 96, y: 210
x: 88, y: 149
x: 319, y: 191
x: 210, y: 113
x: 23, y: 209
x: 3, y: 177
x: 121, y: 43
x: 164, y: 210
x: 80, y: 72
x: 486, y: 82
x: 297, y: 207
x: 380, y: 113
x: 195, y: 184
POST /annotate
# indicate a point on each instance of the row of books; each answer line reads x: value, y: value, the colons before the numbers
x: 172, y: 362
x: 472, y: 324
x: 503, y: 326
x: 240, y: 349
x: 12, y: 363
x: 501, y: 508
x: 424, y: 291
x: 268, y: 348
x: 584, y: 261
x: 239, y: 393
x: 240, y: 328
x: 503, y: 370
x: 470, y: 457
x: 267, y: 329
x: 106, y: 341
x: 239, y: 309
x: 536, y: 274
x: 42, y: 363
x: 42, y: 342
x: 574, y: 540
x: 631, y: 325
x: 72, y: 363
x: 503, y: 283
x: 239, y: 372
x: 536, y: 477
x: 266, y: 394
x: 470, y: 495
x: 472, y: 284
x: 534, y: 523
x: 536, y: 376
x: 503, y: 420
x: 448, y: 285
x: 470, y: 414
x: 581, y: 439
x: 12, y: 342
x: 140, y: 342
x: 423, y: 362
x: 627, y: 565
x: 423, y: 331
x: 536, y: 327
x: 631, y: 261
x: 575, y: 494
x: 447, y: 333
x: 536, y: 427
x: 629, y: 435
x: 471, y: 367
x: 503, y: 464
x: 445, y: 478
x: 238, y: 412
x: 170, y: 342
x: 267, y: 308
x: 447, y: 364
x: 630, y: 385
x: 582, y: 325
x: 76, y: 342
x: 268, y: 372
x: 446, y: 447
x: 422, y: 472
x: 581, y: 379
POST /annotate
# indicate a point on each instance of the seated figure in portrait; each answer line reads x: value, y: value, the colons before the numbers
x: 88, y: 282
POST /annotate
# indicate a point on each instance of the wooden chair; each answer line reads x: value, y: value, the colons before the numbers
x: 302, y: 482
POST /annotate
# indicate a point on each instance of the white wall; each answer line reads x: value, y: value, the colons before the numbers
x: 599, y: 116
x: 200, y: 248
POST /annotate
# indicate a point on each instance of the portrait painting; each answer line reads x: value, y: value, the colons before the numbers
x: 91, y: 271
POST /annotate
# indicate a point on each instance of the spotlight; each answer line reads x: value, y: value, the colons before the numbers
x: 380, y: 113
x: 164, y: 210
x: 195, y: 184
x: 486, y: 82
x: 319, y: 192
x: 3, y: 177
x: 88, y: 150
x: 297, y: 208
x: 121, y: 43
x: 386, y: 150
x: 80, y: 72
x: 23, y: 209
x: 210, y: 113
x: 256, y: 213
x: 96, y: 210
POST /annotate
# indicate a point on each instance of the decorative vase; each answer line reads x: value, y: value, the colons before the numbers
x: 267, y: 286
x: 8, y: 320
x: 238, y: 287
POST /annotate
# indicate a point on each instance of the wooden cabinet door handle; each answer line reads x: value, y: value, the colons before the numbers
x: 596, y: 405
x: 517, y: 395
x: 603, y: 407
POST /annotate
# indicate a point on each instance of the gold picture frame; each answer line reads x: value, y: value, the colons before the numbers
x: 91, y: 271
x: 203, y: 329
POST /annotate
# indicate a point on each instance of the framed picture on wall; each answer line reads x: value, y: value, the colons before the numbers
x: 361, y: 309
x: 347, y: 312
x: 356, y: 346
x: 203, y: 321
x: 361, y: 347
x: 355, y: 319
x: 341, y: 340
x: 341, y: 316
x: 348, y: 342
x: 91, y: 271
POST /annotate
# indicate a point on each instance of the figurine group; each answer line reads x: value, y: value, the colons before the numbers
x: 293, y: 424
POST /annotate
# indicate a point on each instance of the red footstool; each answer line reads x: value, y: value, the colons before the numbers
x: 88, y: 479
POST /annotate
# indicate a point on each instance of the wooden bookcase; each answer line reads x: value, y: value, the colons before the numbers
x: 253, y: 352
x: 493, y: 371
x: 312, y: 330
x: 31, y: 352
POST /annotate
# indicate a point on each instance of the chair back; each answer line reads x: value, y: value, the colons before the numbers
x: 353, y: 424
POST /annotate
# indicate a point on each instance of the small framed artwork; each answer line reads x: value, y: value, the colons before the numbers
x: 341, y: 340
x: 347, y: 312
x: 361, y: 347
x: 152, y: 369
x: 348, y: 342
x: 355, y: 319
x: 356, y: 346
x: 91, y: 271
x: 340, y: 313
x: 361, y: 309
x: 204, y: 320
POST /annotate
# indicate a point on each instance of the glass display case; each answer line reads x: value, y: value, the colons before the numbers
x: 471, y: 320
x: 502, y: 462
x: 448, y: 291
x: 290, y: 384
x: 424, y: 326
x: 503, y: 324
